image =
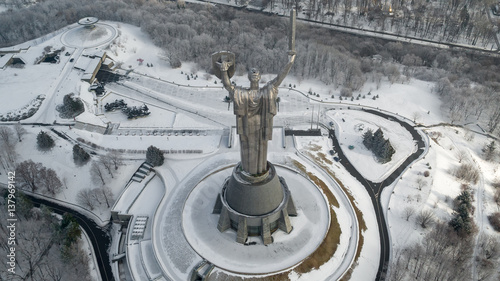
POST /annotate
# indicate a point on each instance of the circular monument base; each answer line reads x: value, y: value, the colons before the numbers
x: 309, y: 229
x: 83, y: 37
x: 255, y: 205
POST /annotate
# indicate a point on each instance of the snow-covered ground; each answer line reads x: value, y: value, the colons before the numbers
x: 352, y: 124
x: 188, y: 108
x: 367, y: 264
x: 441, y: 187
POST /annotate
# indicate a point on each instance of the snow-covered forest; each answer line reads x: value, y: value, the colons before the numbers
x: 468, y: 82
x: 447, y: 21
x: 47, y: 247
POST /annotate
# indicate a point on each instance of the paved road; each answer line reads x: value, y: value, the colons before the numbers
x: 98, y: 236
x: 374, y: 189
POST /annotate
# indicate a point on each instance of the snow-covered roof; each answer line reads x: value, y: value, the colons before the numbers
x: 12, y: 49
x: 92, y: 66
x: 89, y: 64
x: 90, y: 118
x: 94, y: 53
x: 5, y: 59
x: 108, y: 62
x: 87, y: 76
x: 82, y: 63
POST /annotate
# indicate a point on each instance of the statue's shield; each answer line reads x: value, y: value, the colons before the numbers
x: 219, y: 57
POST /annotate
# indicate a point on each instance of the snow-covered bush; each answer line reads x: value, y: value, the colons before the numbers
x: 154, y: 156
x: 495, y: 221
x: 467, y: 172
x: 44, y: 141
x: 80, y: 156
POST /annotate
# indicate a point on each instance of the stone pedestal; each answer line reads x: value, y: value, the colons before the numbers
x: 254, y: 205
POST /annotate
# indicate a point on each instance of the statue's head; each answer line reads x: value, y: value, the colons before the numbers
x: 254, y: 75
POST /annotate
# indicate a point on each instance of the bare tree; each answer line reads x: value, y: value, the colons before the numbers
x: 487, y: 258
x: 34, y: 242
x: 97, y: 174
x: 107, y: 164
x: 105, y: 193
x: 489, y: 247
x: 85, y: 198
x: 6, y: 135
x: 377, y: 77
x: 115, y: 157
x: 392, y: 73
x: 35, y: 176
x: 51, y: 271
x: 494, y: 116
x: 20, y: 131
x: 7, y: 144
x: 408, y: 212
x: 49, y: 180
x: 489, y: 151
x: 441, y: 255
x: 467, y: 172
x: 79, y: 264
x: 397, y: 268
x: 425, y: 218
x: 456, y: 114
x: 415, y: 115
x: 496, y: 197
x: 38, y: 255
x: 421, y: 183
x: 469, y: 135
x: 461, y: 155
x: 27, y: 173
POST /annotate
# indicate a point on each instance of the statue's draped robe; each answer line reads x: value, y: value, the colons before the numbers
x: 254, y: 110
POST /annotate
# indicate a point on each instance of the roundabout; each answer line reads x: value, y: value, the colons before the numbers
x: 310, y: 226
x: 185, y: 229
x: 84, y: 36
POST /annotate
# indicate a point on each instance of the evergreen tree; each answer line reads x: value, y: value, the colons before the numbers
x: 71, y: 103
x: 464, y: 17
x: 378, y: 142
x: 461, y: 221
x: 44, y: 141
x: 71, y: 107
x: 489, y: 151
x: 368, y: 139
x: 385, y: 151
x: 378, y: 137
x: 80, y: 156
x: 464, y: 198
x: 380, y: 147
x: 69, y: 232
x: 154, y: 156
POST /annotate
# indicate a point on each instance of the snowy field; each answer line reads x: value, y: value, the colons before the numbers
x: 350, y: 127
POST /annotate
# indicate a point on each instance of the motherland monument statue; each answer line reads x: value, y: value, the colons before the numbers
x: 254, y: 200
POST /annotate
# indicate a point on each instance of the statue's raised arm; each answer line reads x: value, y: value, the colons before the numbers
x: 291, y: 52
x: 223, y: 65
x: 284, y: 72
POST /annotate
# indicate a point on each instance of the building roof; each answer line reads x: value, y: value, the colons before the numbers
x: 5, y: 60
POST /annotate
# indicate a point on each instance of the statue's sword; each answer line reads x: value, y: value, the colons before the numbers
x: 291, y: 37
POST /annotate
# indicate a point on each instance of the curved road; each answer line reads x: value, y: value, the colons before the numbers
x: 98, y: 236
x: 374, y: 189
